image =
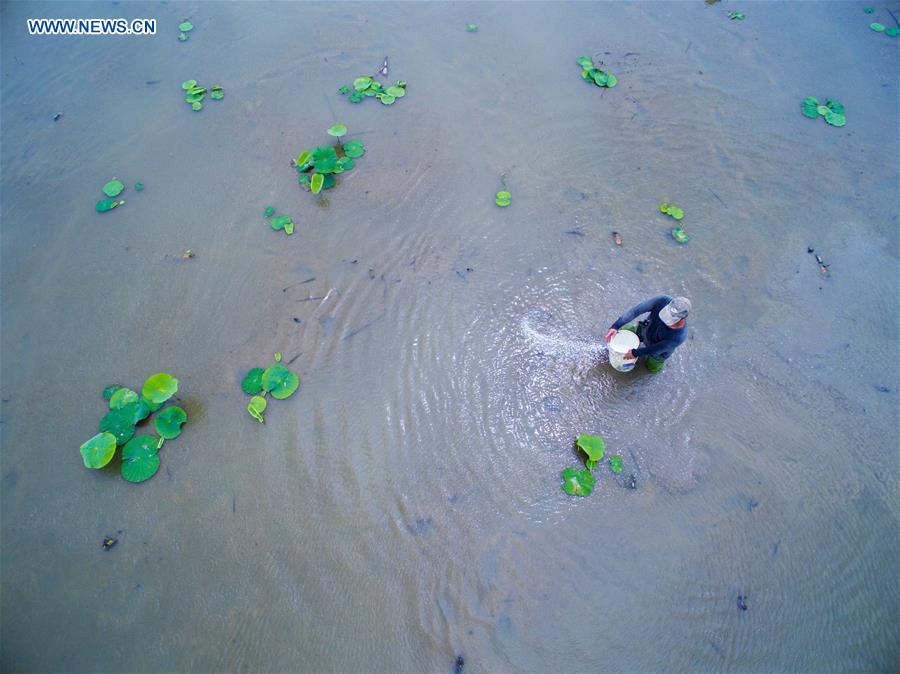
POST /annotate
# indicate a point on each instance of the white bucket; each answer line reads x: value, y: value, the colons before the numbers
x: 621, y: 343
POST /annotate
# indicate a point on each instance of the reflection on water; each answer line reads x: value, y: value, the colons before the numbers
x: 404, y: 508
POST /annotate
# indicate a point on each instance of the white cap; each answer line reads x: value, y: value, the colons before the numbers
x: 675, y: 311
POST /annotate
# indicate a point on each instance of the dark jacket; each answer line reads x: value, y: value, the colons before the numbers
x: 659, y: 339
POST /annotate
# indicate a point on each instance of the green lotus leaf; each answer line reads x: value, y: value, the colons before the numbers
x: 611, y: 80
x: 599, y: 78
x: 868, y: 10
x: 99, y: 450
x: 676, y: 213
x: 585, y: 62
x: 822, y: 109
x: 194, y: 96
x: 197, y: 106
x: 252, y: 383
x: 344, y: 90
x: 664, y: 208
x: 120, y: 423
x: 282, y: 222
x: 138, y: 187
x: 346, y: 163
x: 190, y: 84
x: 324, y: 159
x: 680, y: 235
x: 122, y: 397
x: 586, y: 75
x: 217, y: 94
x: 356, y: 97
x: 269, y: 212
x: 337, y: 130
x: 472, y: 28
x: 304, y: 181
x: 835, y: 119
x: 615, y: 463
x: 811, y: 100
x: 893, y: 32
x: 362, y: 83
x: 289, y: 228
x: 185, y: 26
x: 182, y: 37
x: 159, y: 388
x: 387, y: 99
x: 502, y: 198
x: 279, y: 381
x: 811, y: 111
x: 139, y: 410
x: 354, y: 149
x: 395, y: 91
x: 113, y: 188
x: 256, y: 407
x: 834, y: 106
x: 329, y: 182
x: 877, y: 27
x: 303, y: 160
x: 577, y: 482
x: 109, y: 390
x: 315, y: 184
x: 592, y: 445
x: 168, y: 422
x: 140, y: 460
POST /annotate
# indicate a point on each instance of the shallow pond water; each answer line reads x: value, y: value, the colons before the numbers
x: 404, y: 508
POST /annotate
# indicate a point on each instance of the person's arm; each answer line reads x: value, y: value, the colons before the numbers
x: 642, y: 308
x: 662, y: 349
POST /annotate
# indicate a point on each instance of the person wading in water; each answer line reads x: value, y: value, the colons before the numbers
x: 660, y: 332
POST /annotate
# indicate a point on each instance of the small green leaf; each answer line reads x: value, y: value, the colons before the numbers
x: 197, y: 106
x: 122, y: 397
x: 877, y: 27
x: 182, y: 37
x: 303, y: 159
x: 615, y: 463
x: 329, y: 182
x: 835, y: 119
x: 159, y: 388
x: 252, y: 383
x: 152, y: 406
x: 346, y: 163
x: 217, y: 93
x: 139, y: 410
x: 680, y: 235
x: 138, y: 187
x: 502, y: 198
x: 362, y: 83
x: 278, y: 356
x: 190, y: 84
x: 585, y: 62
x: 592, y: 445
x: 472, y: 28
x: 120, y: 423
x: 315, y: 184
x: 354, y: 149
x: 99, y: 450
x: 113, y: 188
x: 611, y: 80
x: 168, y: 422
x: 387, y: 99
x: 356, y: 97
x: 337, y: 130
x: 185, y: 26
x: 395, y: 91
x: 834, y: 106
x: 256, y: 407
x: 269, y: 212
x: 280, y: 222
x: 868, y: 10
x: 578, y: 482
x: 893, y: 32
x: 344, y: 90
x: 279, y: 381
x: 140, y: 460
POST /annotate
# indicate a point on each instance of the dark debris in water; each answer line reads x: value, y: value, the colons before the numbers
x: 109, y: 543
x: 631, y: 482
x: 742, y: 602
x: 459, y: 664
x: 423, y: 527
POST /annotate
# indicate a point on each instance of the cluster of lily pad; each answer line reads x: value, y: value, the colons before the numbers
x: 275, y: 379
x: 832, y: 112
x: 279, y: 222
x: 195, y: 94
x: 591, y: 73
x: 580, y: 482
x: 370, y: 87
x: 318, y: 167
x: 185, y: 27
x: 880, y: 27
x: 113, y: 189
x: 140, y: 458
x: 502, y: 198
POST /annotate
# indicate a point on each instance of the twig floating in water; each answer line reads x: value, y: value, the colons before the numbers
x: 307, y: 299
x: 719, y: 198
x: 295, y: 358
x: 367, y: 325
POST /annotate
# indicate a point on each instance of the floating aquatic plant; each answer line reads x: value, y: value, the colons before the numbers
x: 671, y: 209
x: 318, y: 167
x: 832, y: 112
x: 472, y: 28
x: 113, y: 188
x: 591, y: 73
x: 868, y: 10
x: 276, y: 380
x: 108, y: 204
x: 680, y: 235
x: 366, y: 86
x: 138, y: 187
x: 185, y: 27
x: 284, y: 222
x: 269, y: 212
x: 127, y: 409
x: 580, y: 482
x: 194, y: 94
x: 736, y: 16
x: 502, y: 198
x: 877, y: 27
x: 893, y: 32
